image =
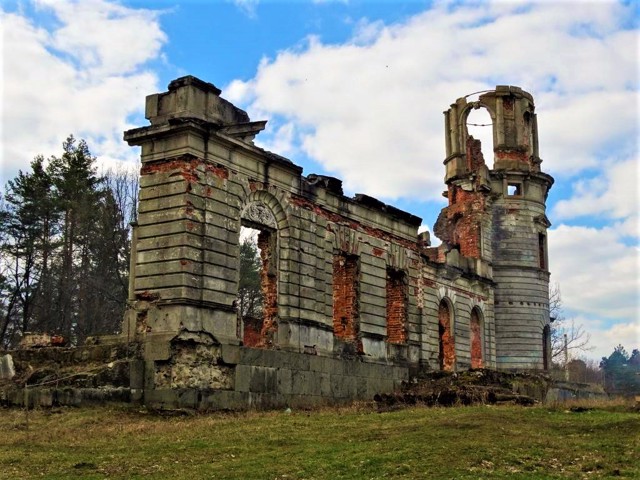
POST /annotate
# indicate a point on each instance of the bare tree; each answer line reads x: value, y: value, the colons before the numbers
x: 566, y: 336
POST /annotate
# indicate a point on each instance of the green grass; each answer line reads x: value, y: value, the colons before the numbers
x: 353, y: 443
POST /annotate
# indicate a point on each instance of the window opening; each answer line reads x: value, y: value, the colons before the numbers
x: 396, y: 306
x: 447, y: 353
x: 250, y: 298
x: 514, y: 189
x: 257, y: 301
x: 345, y: 297
x: 542, y: 251
x: 480, y: 126
x: 546, y: 342
x: 476, y: 339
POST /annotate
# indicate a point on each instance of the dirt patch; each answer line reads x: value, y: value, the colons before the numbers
x: 484, y: 387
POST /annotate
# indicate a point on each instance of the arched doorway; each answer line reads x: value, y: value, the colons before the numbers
x: 259, y: 325
x: 447, y: 351
x: 546, y: 346
x: 475, y: 325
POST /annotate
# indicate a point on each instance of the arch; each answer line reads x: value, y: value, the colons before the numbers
x: 445, y: 293
x: 479, y: 126
x: 446, y: 342
x: 273, y: 206
x: 476, y: 324
x: 462, y: 123
x: 262, y: 211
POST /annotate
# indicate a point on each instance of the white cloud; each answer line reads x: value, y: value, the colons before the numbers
x: 249, y: 7
x: 604, y: 339
x: 282, y: 142
x: 106, y: 38
x: 366, y: 32
x: 598, y: 274
x: 613, y: 195
x: 84, y: 75
x: 370, y: 108
x: 369, y: 111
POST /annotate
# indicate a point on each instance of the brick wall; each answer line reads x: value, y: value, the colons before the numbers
x: 476, y: 340
x: 396, y: 306
x: 447, y: 353
x: 345, y: 297
x: 269, y: 286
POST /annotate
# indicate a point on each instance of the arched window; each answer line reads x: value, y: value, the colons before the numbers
x: 475, y: 325
x: 447, y: 350
x: 479, y: 125
x: 259, y: 323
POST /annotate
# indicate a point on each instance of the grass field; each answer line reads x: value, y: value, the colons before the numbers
x: 354, y: 443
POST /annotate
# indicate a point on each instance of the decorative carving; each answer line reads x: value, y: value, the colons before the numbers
x: 260, y: 214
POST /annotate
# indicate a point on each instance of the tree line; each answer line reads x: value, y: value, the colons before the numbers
x: 621, y: 372
x: 65, y: 243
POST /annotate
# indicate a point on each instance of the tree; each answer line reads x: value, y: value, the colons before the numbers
x: 622, y: 372
x: 29, y: 224
x: 577, y: 339
x: 249, y: 299
x: 79, y: 196
x: 584, y: 371
x: 64, y: 237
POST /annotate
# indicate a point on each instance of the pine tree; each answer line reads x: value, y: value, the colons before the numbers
x: 79, y: 194
x: 29, y: 225
x: 249, y: 292
x: 621, y: 372
x: 65, y: 248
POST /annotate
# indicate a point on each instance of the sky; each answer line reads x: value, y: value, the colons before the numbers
x: 356, y: 90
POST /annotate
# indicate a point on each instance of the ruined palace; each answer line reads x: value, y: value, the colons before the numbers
x: 354, y: 300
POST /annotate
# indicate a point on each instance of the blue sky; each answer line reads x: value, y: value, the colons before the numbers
x: 356, y: 90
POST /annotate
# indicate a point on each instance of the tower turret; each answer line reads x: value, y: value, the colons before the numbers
x: 509, y: 220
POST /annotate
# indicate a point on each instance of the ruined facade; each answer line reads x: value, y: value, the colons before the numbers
x: 354, y: 299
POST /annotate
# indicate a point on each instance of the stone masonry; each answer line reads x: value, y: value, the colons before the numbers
x: 355, y: 300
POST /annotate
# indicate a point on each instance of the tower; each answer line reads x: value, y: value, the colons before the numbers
x: 507, y: 230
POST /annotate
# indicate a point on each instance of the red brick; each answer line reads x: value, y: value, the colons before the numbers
x: 396, y: 306
x: 447, y: 351
x: 345, y: 298
x: 476, y: 340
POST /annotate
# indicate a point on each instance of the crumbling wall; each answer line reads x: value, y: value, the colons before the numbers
x: 396, y: 306
x: 195, y: 362
x: 476, y: 340
x: 345, y: 298
x: 459, y: 225
x: 269, y: 287
x: 354, y: 300
x: 447, y: 350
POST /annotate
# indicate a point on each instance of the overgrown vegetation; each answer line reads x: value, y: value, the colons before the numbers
x: 354, y: 443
